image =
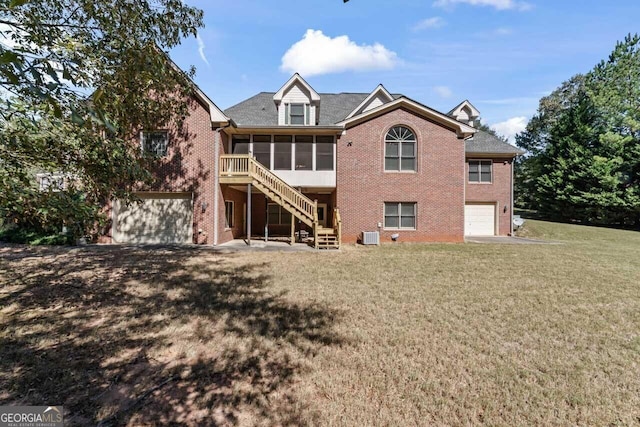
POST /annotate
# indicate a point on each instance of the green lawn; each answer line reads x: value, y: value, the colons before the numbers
x: 402, y: 334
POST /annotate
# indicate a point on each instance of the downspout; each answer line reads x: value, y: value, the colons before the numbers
x: 216, y: 181
x: 511, y: 219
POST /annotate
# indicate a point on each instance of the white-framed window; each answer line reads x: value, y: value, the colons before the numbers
x: 297, y: 114
x: 228, y: 213
x: 50, y: 181
x: 240, y: 144
x: 282, y: 152
x: 324, y: 152
x: 155, y: 142
x: 481, y: 171
x: 400, y: 215
x: 277, y: 215
x: 262, y: 149
x: 400, y: 150
x: 304, y: 152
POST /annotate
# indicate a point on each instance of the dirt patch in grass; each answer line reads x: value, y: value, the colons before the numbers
x: 402, y: 334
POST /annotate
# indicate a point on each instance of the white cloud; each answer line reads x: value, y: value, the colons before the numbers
x: 201, y: 47
x: 429, y: 23
x: 320, y: 54
x: 509, y: 128
x: 443, y: 91
x: 498, y: 4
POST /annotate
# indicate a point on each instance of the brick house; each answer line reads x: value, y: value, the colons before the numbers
x: 329, y: 166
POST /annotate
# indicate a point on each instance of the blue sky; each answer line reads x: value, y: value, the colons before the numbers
x: 502, y: 55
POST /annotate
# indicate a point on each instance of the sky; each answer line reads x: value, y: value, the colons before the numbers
x: 501, y: 55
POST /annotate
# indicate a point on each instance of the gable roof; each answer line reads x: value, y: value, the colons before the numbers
x: 296, y: 78
x: 456, y: 110
x: 462, y: 130
x: 485, y: 143
x: 378, y: 91
x: 260, y: 110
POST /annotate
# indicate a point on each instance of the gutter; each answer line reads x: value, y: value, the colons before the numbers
x: 216, y: 181
x: 289, y: 129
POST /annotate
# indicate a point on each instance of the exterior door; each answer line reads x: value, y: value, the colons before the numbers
x: 322, y: 214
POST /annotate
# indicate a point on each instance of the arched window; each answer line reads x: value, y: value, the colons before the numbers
x: 400, y: 149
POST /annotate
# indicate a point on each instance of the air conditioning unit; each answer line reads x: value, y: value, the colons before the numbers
x: 370, y: 238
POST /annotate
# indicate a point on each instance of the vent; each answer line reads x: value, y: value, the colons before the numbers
x: 370, y: 238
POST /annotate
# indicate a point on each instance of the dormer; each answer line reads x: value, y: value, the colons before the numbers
x: 298, y: 103
x: 465, y: 112
x: 378, y: 97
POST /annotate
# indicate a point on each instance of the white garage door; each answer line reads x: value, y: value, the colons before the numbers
x: 159, y: 218
x: 480, y: 220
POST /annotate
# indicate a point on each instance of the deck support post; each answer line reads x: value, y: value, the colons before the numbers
x: 293, y: 229
x: 315, y: 224
x: 249, y: 214
x: 266, y: 218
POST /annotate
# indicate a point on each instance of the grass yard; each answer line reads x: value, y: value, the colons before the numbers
x: 399, y: 335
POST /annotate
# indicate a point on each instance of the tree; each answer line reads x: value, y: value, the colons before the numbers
x: 535, y: 138
x: 583, y: 145
x: 483, y: 127
x: 576, y: 181
x: 80, y: 79
x: 614, y: 86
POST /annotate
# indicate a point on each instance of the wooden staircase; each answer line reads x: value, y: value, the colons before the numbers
x: 244, y: 169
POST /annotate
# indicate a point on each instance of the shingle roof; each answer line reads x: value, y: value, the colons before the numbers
x: 257, y: 110
x: 484, y: 142
x: 260, y: 110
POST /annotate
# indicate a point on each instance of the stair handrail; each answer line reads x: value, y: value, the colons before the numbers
x: 337, y: 225
x: 269, y: 179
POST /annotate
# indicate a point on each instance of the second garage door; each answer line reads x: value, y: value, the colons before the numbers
x: 480, y: 220
x: 161, y: 218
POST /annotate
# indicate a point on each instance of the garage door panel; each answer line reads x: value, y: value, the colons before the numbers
x: 157, y: 219
x: 480, y: 220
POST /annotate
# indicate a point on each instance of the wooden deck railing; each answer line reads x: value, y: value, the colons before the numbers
x: 234, y: 165
x: 244, y: 165
x: 337, y: 225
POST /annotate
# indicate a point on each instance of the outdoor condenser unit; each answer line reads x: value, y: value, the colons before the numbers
x: 370, y: 238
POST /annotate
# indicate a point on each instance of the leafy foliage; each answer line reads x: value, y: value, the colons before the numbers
x: 584, y: 145
x: 483, y: 127
x: 80, y: 79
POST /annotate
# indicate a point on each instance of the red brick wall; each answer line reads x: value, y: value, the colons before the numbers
x: 437, y: 187
x: 498, y: 191
x: 188, y: 167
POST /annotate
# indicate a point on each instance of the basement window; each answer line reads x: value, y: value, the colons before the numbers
x: 228, y: 213
x: 399, y: 216
x: 277, y: 215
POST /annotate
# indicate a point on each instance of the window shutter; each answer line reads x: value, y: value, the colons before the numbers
x: 307, y: 114
x: 286, y: 114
